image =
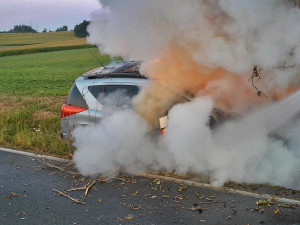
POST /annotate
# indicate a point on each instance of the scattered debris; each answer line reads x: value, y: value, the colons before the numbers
x: 75, y: 200
x: 276, y: 212
x: 133, y: 207
x: 260, y: 209
x: 85, y: 187
x: 59, y: 168
x: 181, y: 188
x: 199, y: 209
x: 268, y: 202
x: 201, y: 197
x: 136, y: 192
x: 15, y: 194
x: 129, y: 217
x: 228, y: 218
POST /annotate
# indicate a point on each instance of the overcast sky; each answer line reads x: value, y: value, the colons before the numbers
x: 49, y: 14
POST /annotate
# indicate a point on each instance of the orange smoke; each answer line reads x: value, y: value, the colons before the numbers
x: 176, y: 74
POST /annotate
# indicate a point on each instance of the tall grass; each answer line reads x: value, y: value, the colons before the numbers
x: 32, y: 89
x: 32, y: 123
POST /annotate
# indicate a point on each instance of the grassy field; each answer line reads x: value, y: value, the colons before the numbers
x: 24, y: 43
x: 32, y: 89
x: 46, y: 74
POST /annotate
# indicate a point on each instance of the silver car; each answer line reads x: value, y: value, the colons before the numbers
x: 86, y: 101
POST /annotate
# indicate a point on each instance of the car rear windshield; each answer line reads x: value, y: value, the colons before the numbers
x: 100, y: 90
x: 75, y: 98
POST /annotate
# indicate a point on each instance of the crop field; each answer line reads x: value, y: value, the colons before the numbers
x: 32, y: 89
x: 24, y: 43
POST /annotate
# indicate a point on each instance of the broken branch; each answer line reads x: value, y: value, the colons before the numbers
x: 75, y: 200
x: 59, y: 168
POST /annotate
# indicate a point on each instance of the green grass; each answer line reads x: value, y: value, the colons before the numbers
x: 18, y: 39
x: 46, y: 74
x: 32, y: 89
x: 32, y: 123
x: 27, y: 43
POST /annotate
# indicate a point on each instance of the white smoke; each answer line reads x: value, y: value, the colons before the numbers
x: 244, y: 150
x: 221, y: 39
x: 231, y: 34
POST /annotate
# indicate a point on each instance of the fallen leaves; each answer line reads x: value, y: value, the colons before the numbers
x: 136, y: 192
x: 264, y: 202
x: 276, y: 212
x: 14, y: 194
x: 129, y: 217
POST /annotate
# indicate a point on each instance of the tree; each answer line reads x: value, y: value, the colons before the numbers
x: 63, y: 28
x: 45, y: 30
x: 22, y: 29
x: 80, y: 29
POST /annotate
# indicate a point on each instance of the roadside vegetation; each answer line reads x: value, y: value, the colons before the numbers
x: 25, y: 43
x: 32, y: 89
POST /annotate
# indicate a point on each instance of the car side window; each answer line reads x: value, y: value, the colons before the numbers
x: 102, y: 91
x: 75, y: 98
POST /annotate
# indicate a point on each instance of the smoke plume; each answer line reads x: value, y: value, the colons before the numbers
x: 209, y: 49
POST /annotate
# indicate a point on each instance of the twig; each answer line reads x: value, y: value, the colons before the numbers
x: 284, y: 67
x: 92, y: 183
x: 75, y: 200
x: 59, y: 168
x: 110, y: 178
x: 85, y: 187
x: 199, y: 203
x: 256, y: 74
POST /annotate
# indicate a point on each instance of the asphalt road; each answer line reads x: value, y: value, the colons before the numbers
x: 27, y: 197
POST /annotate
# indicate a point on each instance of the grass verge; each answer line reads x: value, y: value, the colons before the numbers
x: 32, y: 123
x: 32, y: 89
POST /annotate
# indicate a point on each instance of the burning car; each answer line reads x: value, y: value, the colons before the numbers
x: 86, y: 101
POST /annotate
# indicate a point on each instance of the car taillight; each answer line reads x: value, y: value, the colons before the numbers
x: 68, y: 110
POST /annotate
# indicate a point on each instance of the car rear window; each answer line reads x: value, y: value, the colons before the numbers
x: 128, y: 90
x: 75, y: 98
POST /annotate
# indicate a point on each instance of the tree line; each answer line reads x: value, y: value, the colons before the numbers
x: 80, y: 30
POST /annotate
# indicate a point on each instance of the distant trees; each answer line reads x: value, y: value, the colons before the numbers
x: 80, y: 29
x: 63, y: 28
x: 22, y: 29
x: 45, y: 30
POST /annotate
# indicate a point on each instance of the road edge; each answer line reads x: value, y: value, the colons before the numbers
x: 170, y: 179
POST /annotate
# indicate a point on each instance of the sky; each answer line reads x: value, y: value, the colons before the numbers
x: 49, y: 14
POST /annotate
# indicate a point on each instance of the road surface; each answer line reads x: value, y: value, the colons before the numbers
x: 27, y: 197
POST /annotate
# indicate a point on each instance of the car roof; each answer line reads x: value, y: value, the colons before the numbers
x: 118, y: 69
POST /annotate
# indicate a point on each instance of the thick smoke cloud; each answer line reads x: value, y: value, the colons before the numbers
x: 205, y: 48
x: 256, y: 148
